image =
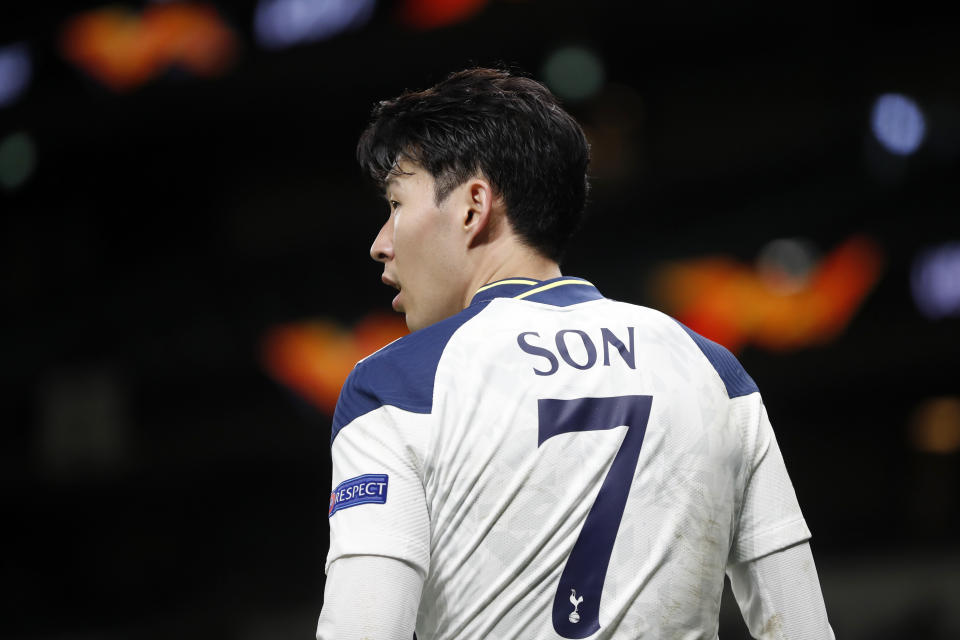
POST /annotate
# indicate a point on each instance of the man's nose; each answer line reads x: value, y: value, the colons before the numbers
x: 382, y: 248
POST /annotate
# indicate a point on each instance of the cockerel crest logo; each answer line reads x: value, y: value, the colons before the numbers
x: 575, y: 601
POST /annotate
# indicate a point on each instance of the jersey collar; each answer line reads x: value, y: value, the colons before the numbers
x: 560, y: 292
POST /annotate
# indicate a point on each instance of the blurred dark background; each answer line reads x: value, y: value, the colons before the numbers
x: 177, y: 182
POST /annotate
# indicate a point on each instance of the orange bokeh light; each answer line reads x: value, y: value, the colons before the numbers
x: 433, y: 14
x: 123, y: 49
x: 315, y: 358
x: 935, y: 425
x: 730, y: 303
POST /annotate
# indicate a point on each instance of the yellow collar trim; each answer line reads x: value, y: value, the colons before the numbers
x: 551, y: 286
x: 500, y: 282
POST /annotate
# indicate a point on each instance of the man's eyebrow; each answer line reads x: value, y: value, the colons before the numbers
x: 393, y: 180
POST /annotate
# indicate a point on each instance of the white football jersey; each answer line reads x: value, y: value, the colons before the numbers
x: 559, y: 465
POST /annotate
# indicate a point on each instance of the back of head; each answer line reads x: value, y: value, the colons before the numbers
x: 508, y: 128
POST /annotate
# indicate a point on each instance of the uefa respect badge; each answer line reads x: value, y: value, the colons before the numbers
x: 370, y: 488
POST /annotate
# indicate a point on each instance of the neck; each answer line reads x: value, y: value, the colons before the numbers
x: 516, y: 261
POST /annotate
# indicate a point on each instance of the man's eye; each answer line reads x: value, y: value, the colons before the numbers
x: 394, y: 204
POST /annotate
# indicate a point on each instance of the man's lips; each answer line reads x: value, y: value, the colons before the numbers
x: 390, y: 282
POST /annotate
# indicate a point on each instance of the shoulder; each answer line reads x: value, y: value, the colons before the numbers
x: 400, y: 374
x: 734, y: 377
x: 736, y: 381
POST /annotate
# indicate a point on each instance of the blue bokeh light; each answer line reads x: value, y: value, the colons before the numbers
x: 898, y: 123
x: 935, y: 281
x: 283, y: 23
x: 15, y: 71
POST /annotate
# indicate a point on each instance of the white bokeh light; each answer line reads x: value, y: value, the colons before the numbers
x: 785, y: 264
x: 18, y: 159
x: 574, y: 73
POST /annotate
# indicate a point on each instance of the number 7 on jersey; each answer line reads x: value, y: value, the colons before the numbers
x: 576, y: 605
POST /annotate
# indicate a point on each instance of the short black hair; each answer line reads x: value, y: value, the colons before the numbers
x: 509, y: 128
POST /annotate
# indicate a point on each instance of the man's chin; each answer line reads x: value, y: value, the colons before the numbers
x: 412, y: 324
x: 416, y: 321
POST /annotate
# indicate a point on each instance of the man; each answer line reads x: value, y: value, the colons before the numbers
x: 535, y: 460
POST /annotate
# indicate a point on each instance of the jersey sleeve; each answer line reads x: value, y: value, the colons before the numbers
x: 779, y: 595
x: 394, y: 586
x: 377, y: 502
x: 770, y: 518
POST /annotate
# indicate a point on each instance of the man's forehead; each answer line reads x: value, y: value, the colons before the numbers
x: 399, y: 174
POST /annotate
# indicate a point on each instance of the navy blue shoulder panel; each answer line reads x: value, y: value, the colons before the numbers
x: 400, y: 375
x: 567, y: 295
x: 735, y: 378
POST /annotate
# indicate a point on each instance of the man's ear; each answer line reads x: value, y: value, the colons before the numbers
x: 478, y: 214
